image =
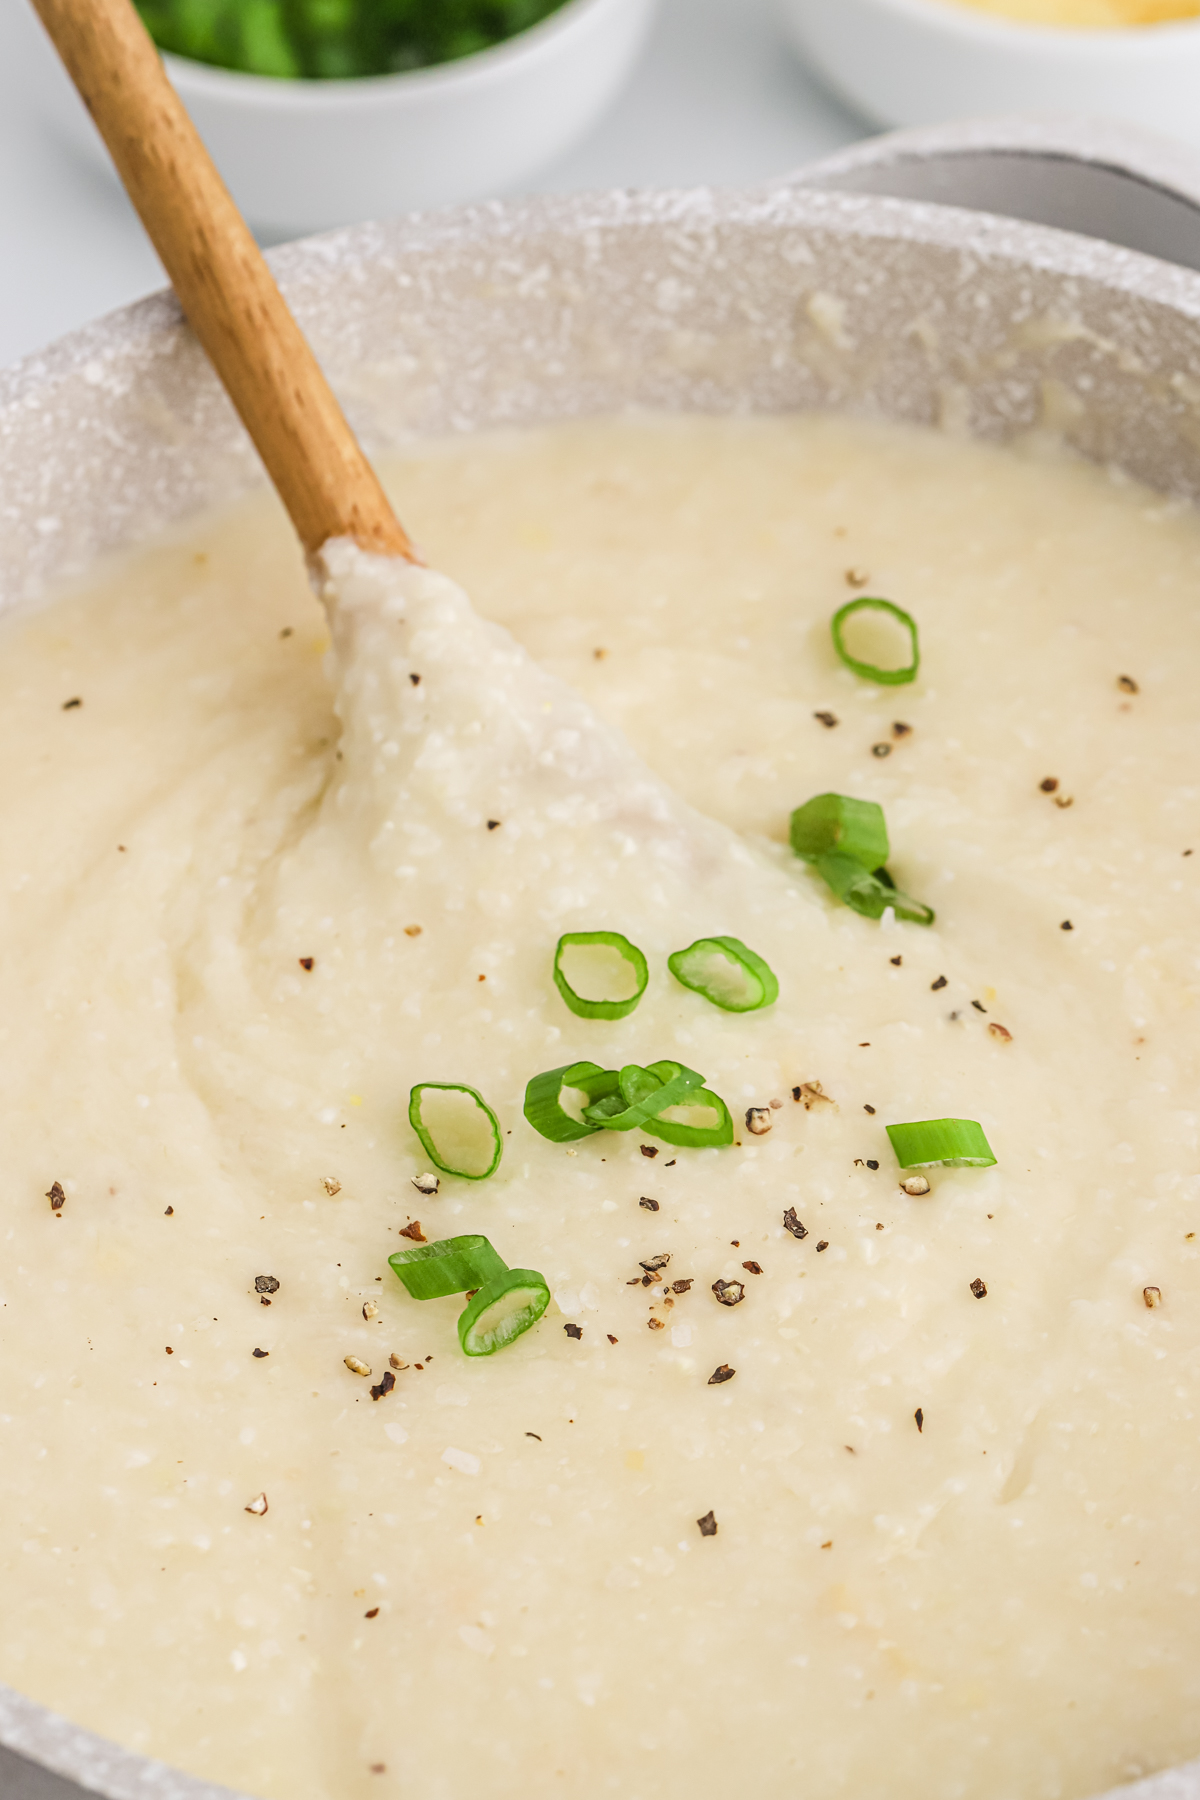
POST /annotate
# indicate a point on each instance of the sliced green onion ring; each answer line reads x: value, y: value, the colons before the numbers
x: 869, y: 671
x: 870, y: 891
x: 638, y: 1084
x: 502, y: 1311
x: 631, y: 970
x: 450, y: 1266
x: 628, y: 1099
x: 695, y: 1131
x: 941, y: 1144
x: 705, y: 1122
x: 726, y: 973
x: 831, y: 823
x: 554, y: 1101
x: 459, y: 1140
x: 644, y: 1093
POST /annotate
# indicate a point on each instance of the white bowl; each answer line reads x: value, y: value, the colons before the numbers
x: 305, y: 155
x: 919, y: 62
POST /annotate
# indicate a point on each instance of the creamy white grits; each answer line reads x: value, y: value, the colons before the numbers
x: 491, y: 1582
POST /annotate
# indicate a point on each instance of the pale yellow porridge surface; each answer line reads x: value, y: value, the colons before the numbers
x: 490, y: 1583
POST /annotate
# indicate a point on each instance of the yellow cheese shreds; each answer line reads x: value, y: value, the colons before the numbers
x: 1089, y: 15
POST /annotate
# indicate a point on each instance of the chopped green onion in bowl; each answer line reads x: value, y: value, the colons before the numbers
x: 726, y: 973
x: 835, y: 822
x: 335, y: 40
x: 599, y: 974
x: 450, y: 1266
x: 941, y: 1144
x: 503, y: 1311
x: 887, y: 676
x: 457, y: 1128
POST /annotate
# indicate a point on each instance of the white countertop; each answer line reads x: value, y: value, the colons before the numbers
x: 718, y: 97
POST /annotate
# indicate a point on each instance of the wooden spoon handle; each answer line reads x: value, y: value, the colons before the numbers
x: 224, y: 286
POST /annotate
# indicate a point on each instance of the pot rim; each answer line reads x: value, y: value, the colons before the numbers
x: 307, y: 267
x: 112, y: 353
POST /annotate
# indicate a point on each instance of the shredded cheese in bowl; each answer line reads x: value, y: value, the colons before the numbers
x: 1090, y: 15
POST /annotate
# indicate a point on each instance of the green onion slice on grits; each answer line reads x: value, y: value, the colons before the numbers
x: 665, y: 1100
x: 886, y: 676
x: 642, y: 1094
x: 503, y: 1302
x: 831, y: 823
x: 502, y: 1311
x: 941, y: 1144
x: 457, y: 1128
x: 555, y: 1101
x: 846, y: 841
x: 700, y: 1121
x: 870, y: 891
x: 452, y: 1266
x: 726, y: 973
x: 600, y: 974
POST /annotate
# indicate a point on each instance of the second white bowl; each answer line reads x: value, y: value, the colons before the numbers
x: 302, y: 156
x: 919, y: 62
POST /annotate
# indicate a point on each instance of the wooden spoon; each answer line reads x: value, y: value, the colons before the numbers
x: 224, y: 286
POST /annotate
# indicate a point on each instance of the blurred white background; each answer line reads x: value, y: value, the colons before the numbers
x: 717, y: 97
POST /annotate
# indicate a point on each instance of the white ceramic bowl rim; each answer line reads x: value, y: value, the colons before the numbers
x: 234, y: 85
x: 1098, y: 43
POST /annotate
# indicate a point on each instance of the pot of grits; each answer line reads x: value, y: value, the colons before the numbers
x: 816, y: 752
